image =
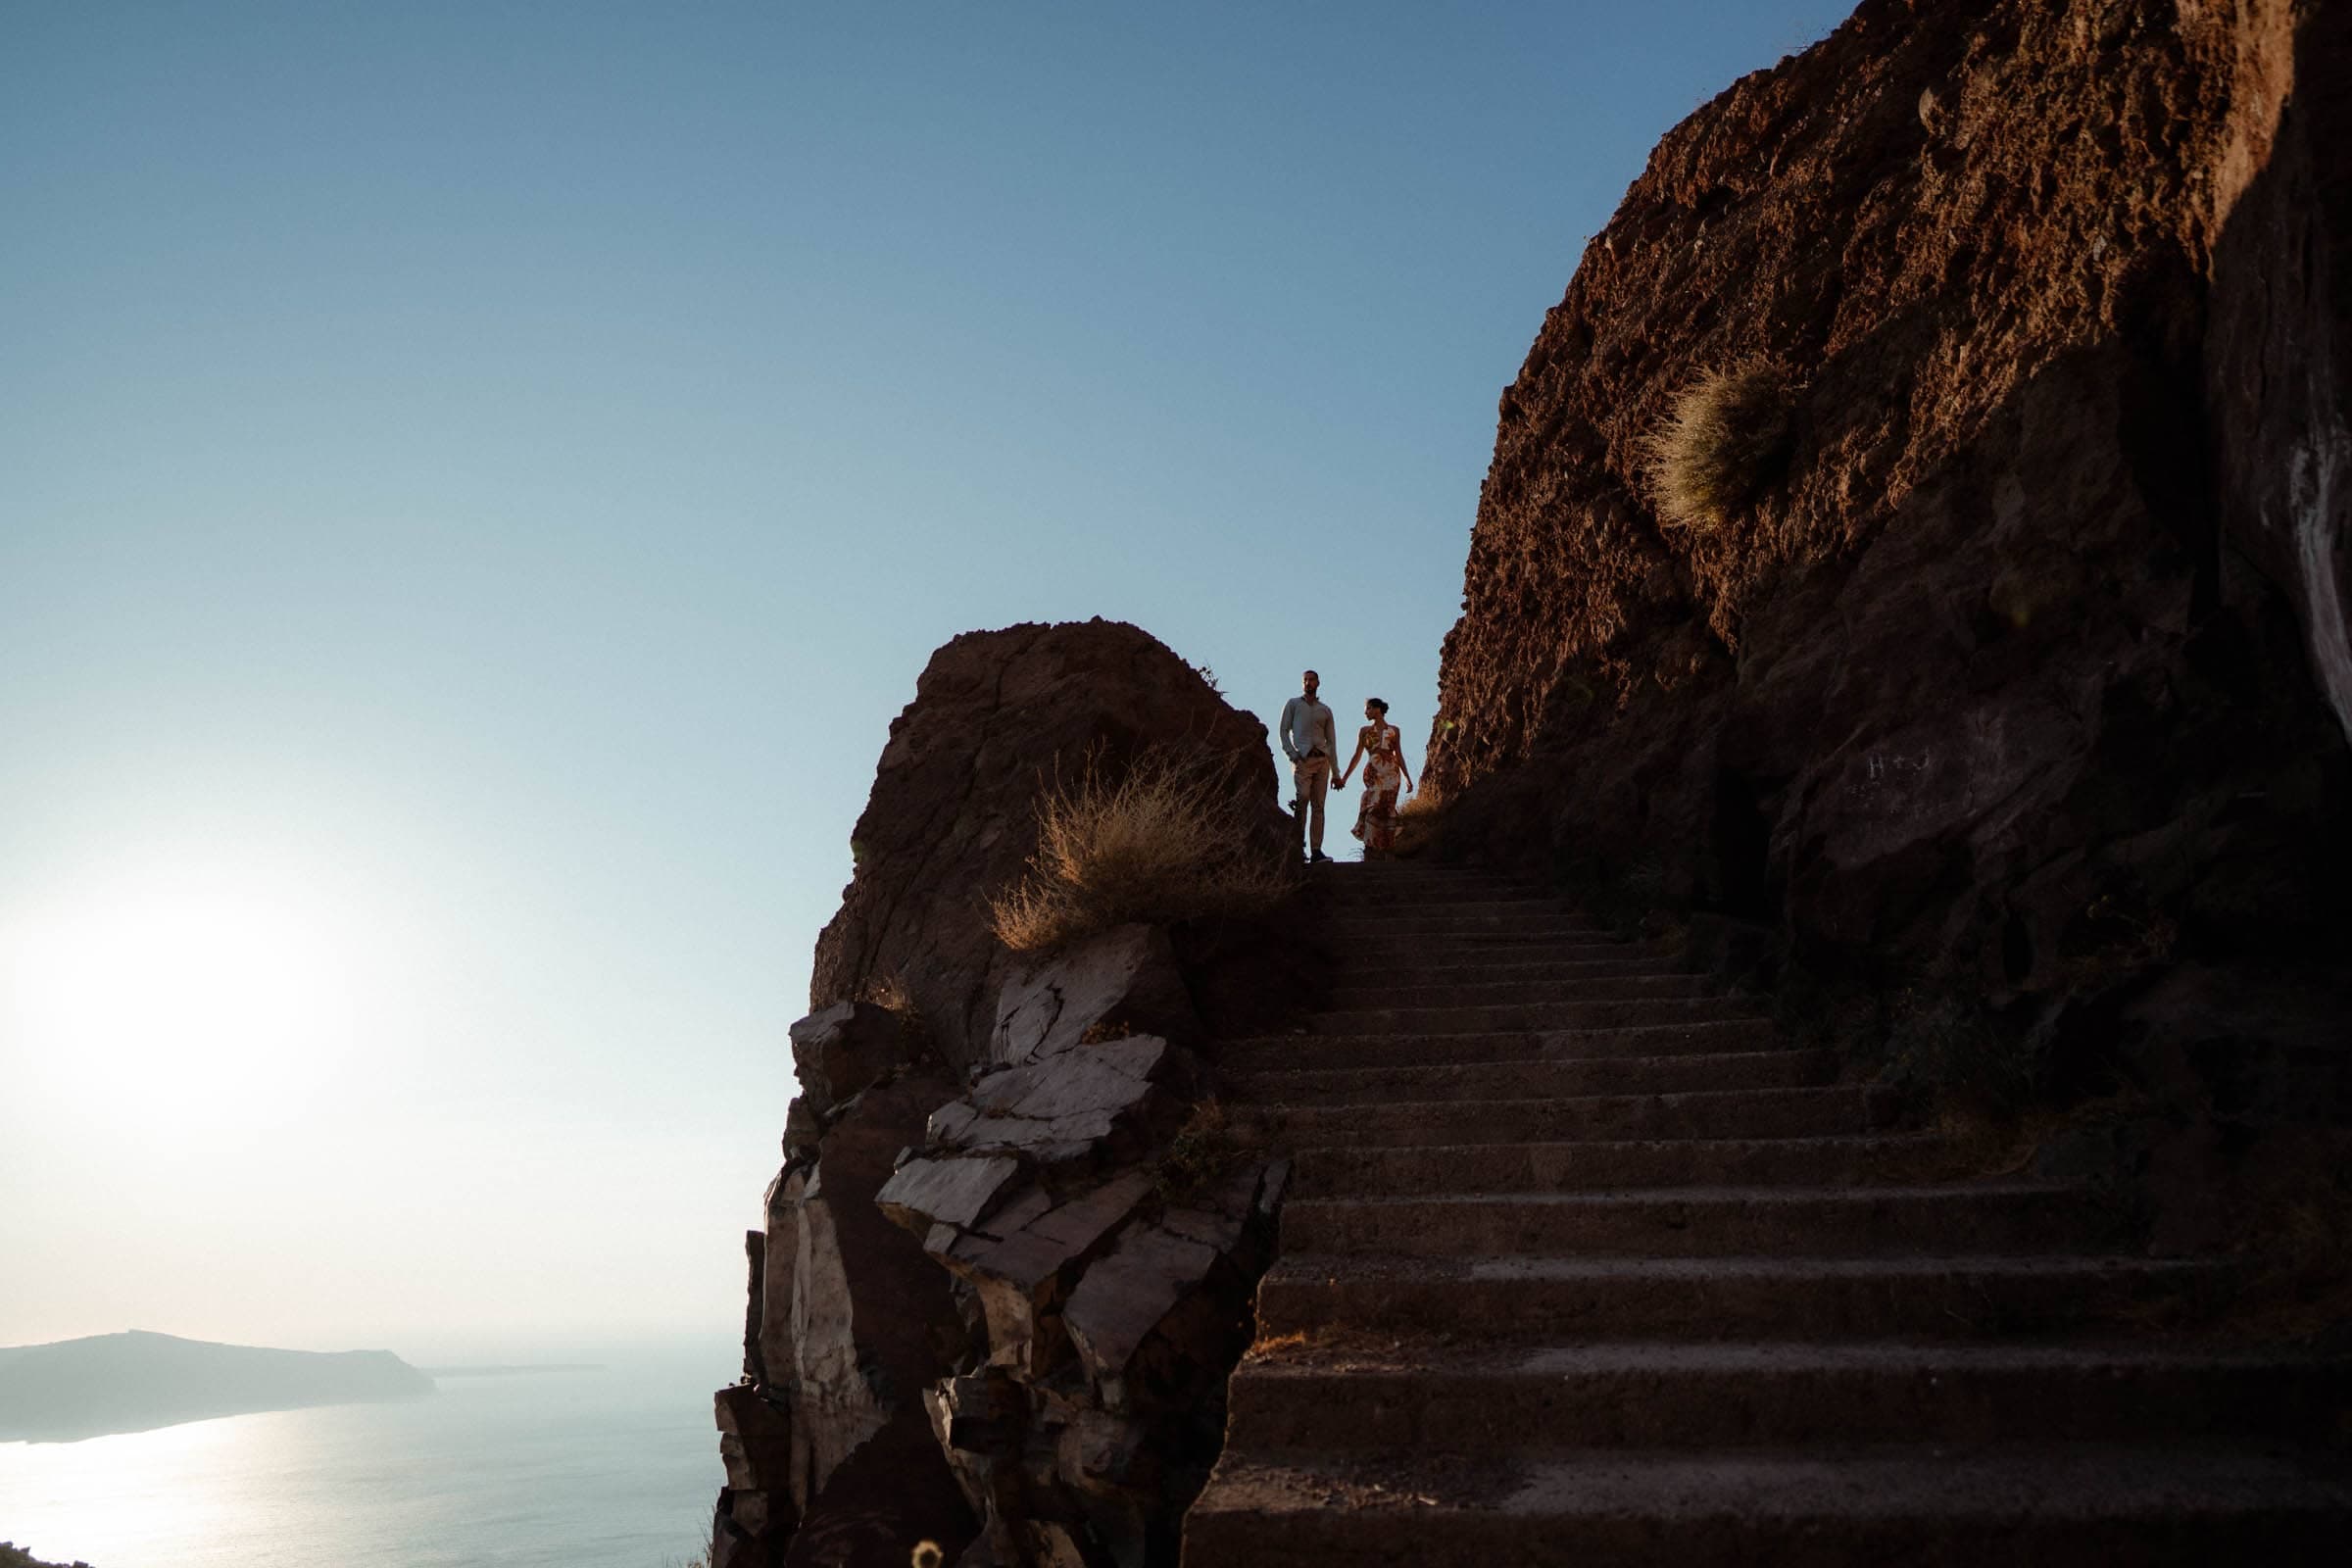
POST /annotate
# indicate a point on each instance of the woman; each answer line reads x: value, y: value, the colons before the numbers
x: 1382, y: 749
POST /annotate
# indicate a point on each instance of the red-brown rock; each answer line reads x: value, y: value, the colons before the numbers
x: 2020, y: 676
x: 996, y: 717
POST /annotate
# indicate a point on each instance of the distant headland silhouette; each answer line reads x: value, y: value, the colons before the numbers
x: 138, y: 1381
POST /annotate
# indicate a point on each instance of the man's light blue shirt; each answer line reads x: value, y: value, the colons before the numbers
x: 1306, y: 726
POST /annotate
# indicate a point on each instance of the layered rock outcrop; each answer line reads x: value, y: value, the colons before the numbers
x: 1006, y: 1266
x: 2024, y: 673
x: 998, y: 717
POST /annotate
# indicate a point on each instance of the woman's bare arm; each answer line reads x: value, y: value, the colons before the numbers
x: 1353, y: 756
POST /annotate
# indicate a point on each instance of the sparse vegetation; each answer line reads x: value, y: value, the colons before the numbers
x: 1420, y: 821
x: 890, y: 994
x: 1204, y: 1149
x: 1168, y: 840
x: 1725, y: 439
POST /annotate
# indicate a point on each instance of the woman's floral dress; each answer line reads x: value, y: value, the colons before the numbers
x: 1383, y: 772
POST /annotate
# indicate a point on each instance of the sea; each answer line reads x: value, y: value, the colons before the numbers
x: 608, y: 1464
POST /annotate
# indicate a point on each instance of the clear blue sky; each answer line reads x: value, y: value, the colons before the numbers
x: 477, y: 482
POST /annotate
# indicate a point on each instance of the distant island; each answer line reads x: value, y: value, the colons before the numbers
x: 12, y: 1555
x: 137, y: 1381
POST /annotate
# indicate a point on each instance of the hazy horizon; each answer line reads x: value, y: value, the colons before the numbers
x: 476, y: 483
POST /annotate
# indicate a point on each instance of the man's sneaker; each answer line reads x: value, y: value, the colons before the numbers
x: 1319, y: 858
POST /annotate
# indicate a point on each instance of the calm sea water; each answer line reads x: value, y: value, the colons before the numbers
x: 613, y: 1468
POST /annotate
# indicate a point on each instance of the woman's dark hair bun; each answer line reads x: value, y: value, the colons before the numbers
x: 1377, y: 703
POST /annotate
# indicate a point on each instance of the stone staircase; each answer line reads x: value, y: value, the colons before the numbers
x: 1583, y: 1265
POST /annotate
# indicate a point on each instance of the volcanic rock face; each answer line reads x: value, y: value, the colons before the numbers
x: 997, y: 717
x: 980, y: 1314
x: 2029, y: 670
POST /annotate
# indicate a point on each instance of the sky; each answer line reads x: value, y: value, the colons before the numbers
x: 477, y: 480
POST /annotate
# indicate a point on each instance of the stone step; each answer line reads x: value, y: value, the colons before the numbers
x: 1547, y: 1299
x: 1471, y: 920
x: 1444, y: 895
x: 1540, y: 1079
x: 1427, y: 1396
x: 1635, y: 986
x: 1436, y: 1169
x: 1356, y: 878
x: 1506, y: 971
x: 1278, y: 1052
x: 1698, y: 1223
x: 1384, y: 951
x: 2024, y: 1506
x: 1705, y: 1114
x: 1601, y: 1015
x: 1503, y: 903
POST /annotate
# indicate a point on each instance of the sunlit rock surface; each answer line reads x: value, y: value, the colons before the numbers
x: 2026, y: 675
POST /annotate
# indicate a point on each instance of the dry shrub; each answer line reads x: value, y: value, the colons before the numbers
x: 1725, y: 439
x: 1420, y: 823
x: 1168, y: 840
x: 1206, y: 1149
x: 889, y: 993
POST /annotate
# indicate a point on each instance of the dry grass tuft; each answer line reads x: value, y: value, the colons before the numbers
x: 1167, y: 841
x: 1723, y: 443
x: 1420, y: 823
x: 1207, y: 1148
x: 890, y: 994
x: 1269, y: 1346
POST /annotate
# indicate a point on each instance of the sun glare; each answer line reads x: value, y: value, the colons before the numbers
x: 184, y: 1004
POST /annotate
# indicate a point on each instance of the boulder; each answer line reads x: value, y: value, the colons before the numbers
x: 755, y: 1440
x: 1087, y: 1103
x: 804, y: 1129
x: 1123, y: 982
x: 779, y: 1261
x: 839, y: 1049
x: 891, y: 1496
x: 872, y: 1320
x: 1159, y: 1320
x: 755, y: 1295
x: 1023, y: 1264
x: 997, y: 718
x: 756, y: 1511
x: 956, y: 1193
x: 1123, y: 1300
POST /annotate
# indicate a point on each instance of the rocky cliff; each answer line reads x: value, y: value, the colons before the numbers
x: 1007, y: 1264
x: 2022, y: 671
x: 996, y: 717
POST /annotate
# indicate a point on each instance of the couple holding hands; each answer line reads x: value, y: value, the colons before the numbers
x: 1311, y: 739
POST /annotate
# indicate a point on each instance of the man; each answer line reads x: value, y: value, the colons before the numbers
x: 1312, y: 744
